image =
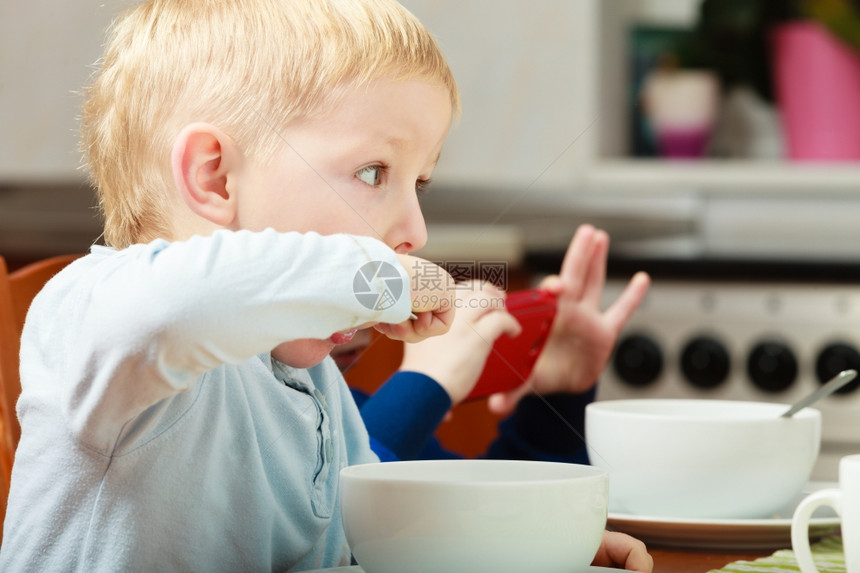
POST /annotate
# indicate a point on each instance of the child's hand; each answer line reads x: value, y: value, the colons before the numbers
x: 433, y: 293
x: 621, y: 550
x: 582, y: 337
x: 456, y: 359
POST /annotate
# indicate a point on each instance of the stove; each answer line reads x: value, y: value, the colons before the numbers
x: 763, y: 341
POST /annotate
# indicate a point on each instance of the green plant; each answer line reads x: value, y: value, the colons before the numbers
x: 732, y: 37
x: 841, y: 17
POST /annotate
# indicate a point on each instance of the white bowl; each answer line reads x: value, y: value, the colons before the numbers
x: 701, y: 458
x: 476, y: 516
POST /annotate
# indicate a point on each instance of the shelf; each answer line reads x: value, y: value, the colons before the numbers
x: 726, y: 177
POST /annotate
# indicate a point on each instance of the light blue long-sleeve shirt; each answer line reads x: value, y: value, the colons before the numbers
x: 158, y: 434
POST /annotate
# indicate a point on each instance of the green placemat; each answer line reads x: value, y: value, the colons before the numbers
x: 827, y: 554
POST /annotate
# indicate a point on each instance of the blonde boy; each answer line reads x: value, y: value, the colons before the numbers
x: 252, y: 158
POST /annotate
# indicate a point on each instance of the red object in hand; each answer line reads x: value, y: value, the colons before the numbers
x: 511, y: 360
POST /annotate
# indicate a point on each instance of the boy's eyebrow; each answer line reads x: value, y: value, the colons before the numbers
x: 395, y: 141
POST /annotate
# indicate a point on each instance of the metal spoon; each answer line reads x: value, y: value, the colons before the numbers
x: 832, y: 386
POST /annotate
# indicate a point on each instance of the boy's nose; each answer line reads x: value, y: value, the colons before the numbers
x: 409, y: 231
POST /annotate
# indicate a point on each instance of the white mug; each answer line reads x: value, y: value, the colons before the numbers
x: 846, y: 502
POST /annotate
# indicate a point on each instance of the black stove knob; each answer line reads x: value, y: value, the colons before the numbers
x: 772, y: 366
x: 835, y: 358
x: 638, y: 360
x: 705, y: 362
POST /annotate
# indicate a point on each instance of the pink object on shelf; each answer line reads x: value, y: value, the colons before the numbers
x: 681, y: 143
x: 681, y: 107
x: 817, y: 80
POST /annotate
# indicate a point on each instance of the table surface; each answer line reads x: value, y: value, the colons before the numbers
x: 665, y: 560
x: 695, y: 561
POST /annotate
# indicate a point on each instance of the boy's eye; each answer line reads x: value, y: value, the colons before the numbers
x: 371, y: 175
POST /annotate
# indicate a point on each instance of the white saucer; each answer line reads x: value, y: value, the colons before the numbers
x: 767, y: 533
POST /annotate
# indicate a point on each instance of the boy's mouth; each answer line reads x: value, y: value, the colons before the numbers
x: 343, y: 337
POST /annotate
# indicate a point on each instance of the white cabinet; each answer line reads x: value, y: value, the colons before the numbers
x: 547, y: 102
x: 525, y: 72
x: 46, y: 50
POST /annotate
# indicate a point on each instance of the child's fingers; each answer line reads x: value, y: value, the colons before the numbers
x: 432, y: 301
x: 574, y: 267
x: 593, y: 289
x: 619, y: 550
x: 478, y: 301
x: 431, y: 287
x: 424, y: 326
x: 403, y: 332
x: 493, y: 324
x: 552, y: 283
x: 623, y: 308
x: 503, y: 403
x: 437, y: 323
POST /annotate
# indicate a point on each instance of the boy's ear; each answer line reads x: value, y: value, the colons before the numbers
x: 205, y: 162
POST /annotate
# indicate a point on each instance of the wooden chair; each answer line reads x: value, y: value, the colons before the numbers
x: 17, y: 290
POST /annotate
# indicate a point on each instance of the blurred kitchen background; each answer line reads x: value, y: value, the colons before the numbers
x: 717, y: 141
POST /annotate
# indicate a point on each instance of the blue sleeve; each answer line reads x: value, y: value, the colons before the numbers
x: 547, y: 428
x: 382, y: 452
x: 402, y: 415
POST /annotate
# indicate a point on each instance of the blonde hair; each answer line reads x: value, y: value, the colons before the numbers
x: 247, y: 66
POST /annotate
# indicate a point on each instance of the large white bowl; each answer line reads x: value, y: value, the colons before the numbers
x: 701, y: 458
x: 475, y: 516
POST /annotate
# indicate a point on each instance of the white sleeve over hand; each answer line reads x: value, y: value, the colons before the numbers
x: 141, y: 324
